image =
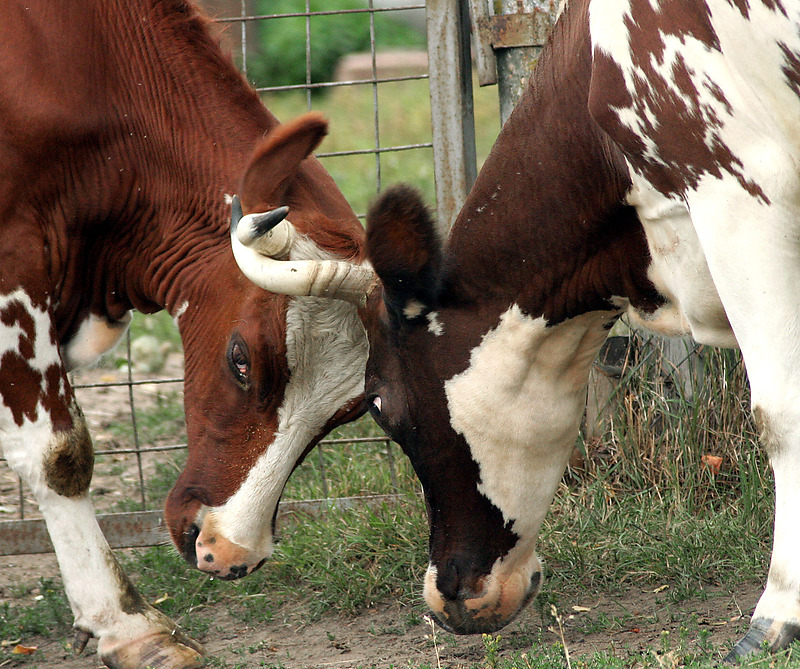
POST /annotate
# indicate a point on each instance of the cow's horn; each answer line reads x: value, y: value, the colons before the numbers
x: 259, y: 242
x: 270, y: 233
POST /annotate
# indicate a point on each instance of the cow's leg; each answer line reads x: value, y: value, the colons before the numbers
x: 45, y: 440
x: 752, y: 245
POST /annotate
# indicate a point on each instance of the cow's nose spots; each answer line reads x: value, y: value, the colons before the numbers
x: 209, y: 557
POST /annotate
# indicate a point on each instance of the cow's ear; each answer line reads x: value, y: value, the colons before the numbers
x: 276, y: 160
x: 405, y: 251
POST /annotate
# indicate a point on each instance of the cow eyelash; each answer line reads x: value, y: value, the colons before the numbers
x: 239, y: 361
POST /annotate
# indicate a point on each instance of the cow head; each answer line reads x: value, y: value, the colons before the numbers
x: 484, y: 399
x: 266, y: 375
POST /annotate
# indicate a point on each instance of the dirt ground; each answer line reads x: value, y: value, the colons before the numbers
x: 391, y: 636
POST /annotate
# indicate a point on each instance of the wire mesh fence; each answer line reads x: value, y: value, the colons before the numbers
x: 363, y: 52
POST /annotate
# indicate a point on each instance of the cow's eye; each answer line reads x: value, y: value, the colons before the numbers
x: 375, y: 406
x: 239, y: 361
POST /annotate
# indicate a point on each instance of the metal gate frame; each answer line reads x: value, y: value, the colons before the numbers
x: 453, y: 144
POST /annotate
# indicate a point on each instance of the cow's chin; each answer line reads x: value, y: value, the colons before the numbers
x: 207, y: 549
x: 504, y: 593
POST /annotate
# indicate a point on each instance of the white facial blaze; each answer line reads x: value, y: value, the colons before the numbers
x: 326, y: 348
x: 519, y: 406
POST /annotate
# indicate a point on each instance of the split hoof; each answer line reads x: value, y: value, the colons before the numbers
x: 163, y: 650
x: 81, y: 639
x: 769, y: 635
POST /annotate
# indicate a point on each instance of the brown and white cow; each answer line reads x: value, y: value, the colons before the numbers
x: 124, y: 133
x: 650, y: 167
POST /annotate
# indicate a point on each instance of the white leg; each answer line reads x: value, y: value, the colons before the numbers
x: 45, y: 440
x: 753, y: 252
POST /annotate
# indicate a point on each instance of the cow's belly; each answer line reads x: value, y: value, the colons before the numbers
x: 679, y: 271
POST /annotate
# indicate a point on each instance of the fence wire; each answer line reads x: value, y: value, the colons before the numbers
x: 131, y: 452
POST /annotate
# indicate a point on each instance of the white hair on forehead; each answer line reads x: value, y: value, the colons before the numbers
x: 413, y: 309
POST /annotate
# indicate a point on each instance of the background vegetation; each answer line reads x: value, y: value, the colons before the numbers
x: 281, y: 50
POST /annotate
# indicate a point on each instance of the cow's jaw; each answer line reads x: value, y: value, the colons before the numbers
x: 518, y: 405
x: 326, y: 351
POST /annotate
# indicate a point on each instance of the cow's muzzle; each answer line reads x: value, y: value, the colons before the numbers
x: 467, y: 604
x: 209, y: 551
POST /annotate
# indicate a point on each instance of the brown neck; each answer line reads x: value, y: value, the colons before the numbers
x: 547, y: 210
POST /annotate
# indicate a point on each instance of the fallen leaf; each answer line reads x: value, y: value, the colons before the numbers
x: 19, y: 649
x: 581, y: 609
x: 660, y: 588
x: 713, y: 462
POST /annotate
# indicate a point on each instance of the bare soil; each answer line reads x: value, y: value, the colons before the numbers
x: 627, y: 624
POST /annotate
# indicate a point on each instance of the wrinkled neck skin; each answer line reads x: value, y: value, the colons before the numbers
x: 151, y: 153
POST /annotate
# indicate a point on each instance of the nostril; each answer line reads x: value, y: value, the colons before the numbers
x: 188, y: 549
x: 450, y: 578
x: 457, y: 579
x: 238, y: 571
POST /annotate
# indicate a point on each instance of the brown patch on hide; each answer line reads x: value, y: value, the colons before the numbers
x: 69, y: 463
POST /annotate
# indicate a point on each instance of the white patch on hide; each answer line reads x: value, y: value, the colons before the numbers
x: 679, y: 272
x: 94, y: 337
x: 413, y: 309
x: 180, y: 311
x: 434, y: 325
x: 519, y: 406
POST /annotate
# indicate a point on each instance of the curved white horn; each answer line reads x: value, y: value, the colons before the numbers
x: 258, y: 241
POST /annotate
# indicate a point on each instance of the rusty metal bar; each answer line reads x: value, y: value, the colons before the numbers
x: 509, y: 40
x: 452, y: 119
x: 485, y: 62
x: 146, y: 528
x: 519, y: 32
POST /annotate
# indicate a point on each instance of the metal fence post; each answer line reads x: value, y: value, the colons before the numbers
x: 452, y: 120
x: 511, y: 36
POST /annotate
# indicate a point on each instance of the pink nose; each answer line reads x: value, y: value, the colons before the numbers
x: 223, y: 558
x: 479, y: 605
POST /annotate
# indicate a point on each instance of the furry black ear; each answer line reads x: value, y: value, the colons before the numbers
x: 405, y: 250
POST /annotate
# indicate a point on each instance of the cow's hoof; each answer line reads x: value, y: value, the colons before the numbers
x: 763, y: 635
x: 163, y: 650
